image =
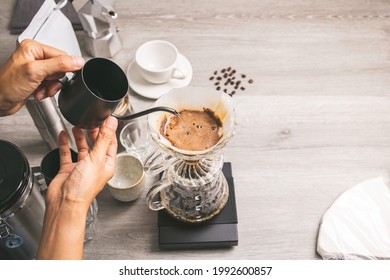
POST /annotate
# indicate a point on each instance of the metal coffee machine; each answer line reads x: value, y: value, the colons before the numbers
x: 22, y: 205
x: 97, y: 19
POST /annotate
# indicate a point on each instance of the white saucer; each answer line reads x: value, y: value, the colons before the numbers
x: 154, y: 91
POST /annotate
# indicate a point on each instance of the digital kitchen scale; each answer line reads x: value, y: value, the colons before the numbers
x: 219, y: 231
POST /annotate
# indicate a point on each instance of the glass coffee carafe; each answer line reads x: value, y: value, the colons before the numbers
x: 192, y: 187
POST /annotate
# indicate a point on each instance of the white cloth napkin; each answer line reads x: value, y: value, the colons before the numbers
x: 51, y: 27
x: 357, y: 225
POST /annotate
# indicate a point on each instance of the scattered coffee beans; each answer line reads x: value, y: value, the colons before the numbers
x: 231, y: 80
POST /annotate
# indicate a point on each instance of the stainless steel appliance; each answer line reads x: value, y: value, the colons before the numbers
x: 22, y: 206
x: 98, y: 21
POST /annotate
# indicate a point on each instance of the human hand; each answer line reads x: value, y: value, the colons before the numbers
x: 73, y: 189
x: 80, y: 182
x: 33, y: 68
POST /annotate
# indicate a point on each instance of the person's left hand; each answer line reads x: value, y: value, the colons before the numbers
x: 80, y: 182
x: 73, y: 190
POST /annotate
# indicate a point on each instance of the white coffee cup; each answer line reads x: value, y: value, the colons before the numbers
x: 128, y: 181
x: 157, y: 62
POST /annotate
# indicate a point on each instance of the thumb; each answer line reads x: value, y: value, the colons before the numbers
x: 58, y: 64
x: 105, y: 136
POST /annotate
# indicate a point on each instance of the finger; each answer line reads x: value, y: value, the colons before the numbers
x: 93, y: 133
x: 56, y: 76
x: 81, y: 143
x: 46, y: 89
x: 52, y: 87
x: 65, y: 156
x: 58, y: 64
x: 110, y: 158
x: 104, y: 138
x: 39, y: 50
x: 40, y: 92
x: 112, y: 150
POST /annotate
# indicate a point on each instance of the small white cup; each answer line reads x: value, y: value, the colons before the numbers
x: 128, y: 181
x: 156, y: 61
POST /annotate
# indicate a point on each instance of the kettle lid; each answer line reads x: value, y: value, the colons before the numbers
x: 14, y: 174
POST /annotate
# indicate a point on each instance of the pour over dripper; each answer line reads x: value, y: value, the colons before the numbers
x: 192, y: 188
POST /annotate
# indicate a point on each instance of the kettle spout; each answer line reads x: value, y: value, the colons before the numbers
x: 146, y: 112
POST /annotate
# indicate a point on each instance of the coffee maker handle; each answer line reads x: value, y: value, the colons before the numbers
x: 153, y: 204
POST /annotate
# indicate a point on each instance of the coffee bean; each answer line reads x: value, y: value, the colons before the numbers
x: 228, y: 77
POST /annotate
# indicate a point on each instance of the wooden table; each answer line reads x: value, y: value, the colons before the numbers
x: 315, y: 121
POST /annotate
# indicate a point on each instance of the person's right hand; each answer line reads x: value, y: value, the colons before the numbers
x: 33, y: 68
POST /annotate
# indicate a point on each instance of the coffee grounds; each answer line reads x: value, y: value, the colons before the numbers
x: 192, y: 130
x: 226, y: 77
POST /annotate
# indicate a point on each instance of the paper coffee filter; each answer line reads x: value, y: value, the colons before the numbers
x: 194, y: 98
x: 357, y: 225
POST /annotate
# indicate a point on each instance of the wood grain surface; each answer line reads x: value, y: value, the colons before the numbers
x: 315, y: 121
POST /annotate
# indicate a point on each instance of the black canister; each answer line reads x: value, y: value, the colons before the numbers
x: 22, y: 206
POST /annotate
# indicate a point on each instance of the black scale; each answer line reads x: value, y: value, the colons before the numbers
x: 219, y: 231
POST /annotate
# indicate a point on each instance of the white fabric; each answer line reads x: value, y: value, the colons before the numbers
x: 52, y: 27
